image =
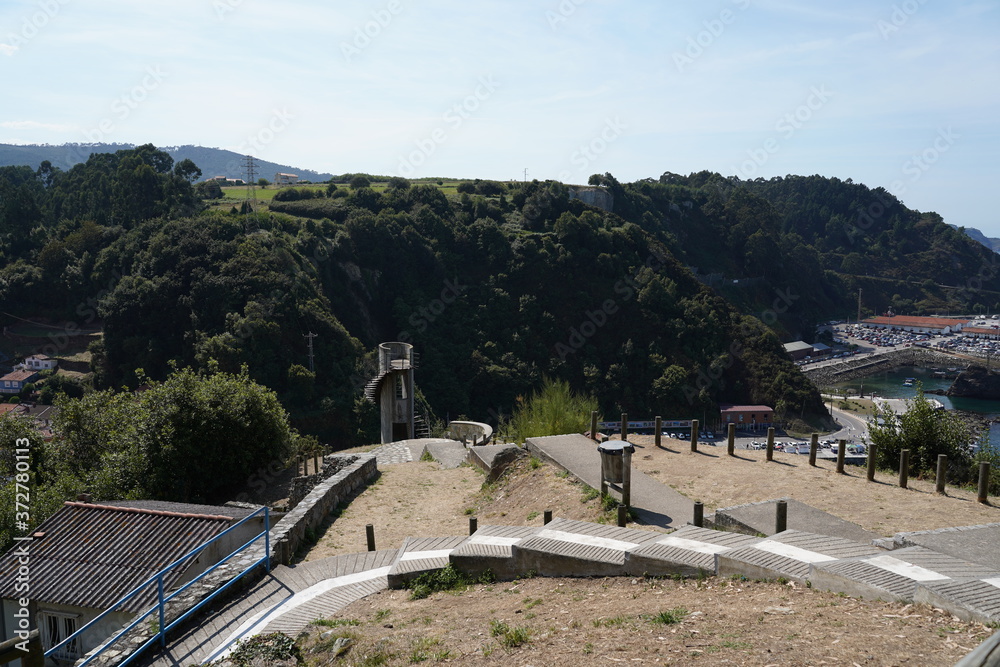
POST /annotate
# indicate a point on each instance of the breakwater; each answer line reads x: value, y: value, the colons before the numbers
x: 859, y: 367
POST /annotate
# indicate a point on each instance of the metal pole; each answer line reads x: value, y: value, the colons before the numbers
x: 267, y: 538
x: 841, y: 453
x: 904, y: 467
x: 159, y: 593
x: 781, y: 516
x: 732, y: 439
x: 942, y: 468
x: 699, y: 514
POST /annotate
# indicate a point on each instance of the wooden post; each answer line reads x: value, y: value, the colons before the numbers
x: 942, y: 469
x: 694, y: 435
x: 547, y: 516
x: 781, y: 516
x: 871, y: 463
x: 659, y: 430
x: 622, y: 516
x: 904, y: 467
x: 813, y: 448
x: 370, y: 534
x: 593, y: 424
x: 627, y: 476
x: 624, y: 426
x: 841, y: 453
x: 984, y: 482
x: 315, y: 461
x: 473, y: 525
x: 732, y: 439
x: 770, y: 443
x: 699, y: 514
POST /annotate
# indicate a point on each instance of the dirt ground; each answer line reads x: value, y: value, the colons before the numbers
x: 623, y: 620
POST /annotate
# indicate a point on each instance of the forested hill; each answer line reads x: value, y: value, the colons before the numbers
x: 494, y: 290
x: 822, y: 238
x: 212, y: 161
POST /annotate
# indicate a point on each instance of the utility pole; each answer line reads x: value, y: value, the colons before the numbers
x: 251, y: 201
x: 525, y: 174
x: 310, y: 336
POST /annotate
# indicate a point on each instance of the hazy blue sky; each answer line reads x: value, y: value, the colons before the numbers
x: 900, y: 94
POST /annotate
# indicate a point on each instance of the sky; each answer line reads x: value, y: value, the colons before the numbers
x: 901, y: 94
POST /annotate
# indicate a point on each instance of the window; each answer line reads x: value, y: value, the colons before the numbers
x: 55, y: 628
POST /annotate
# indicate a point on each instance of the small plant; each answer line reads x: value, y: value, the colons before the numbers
x: 445, y: 579
x: 469, y: 511
x: 612, y: 622
x: 669, y: 617
x: 783, y: 581
x: 588, y: 648
x: 589, y: 493
x: 534, y: 463
x: 531, y: 604
x: 266, y: 648
x: 426, y: 456
x: 335, y: 622
x: 509, y: 637
x: 532, y: 515
x: 382, y: 614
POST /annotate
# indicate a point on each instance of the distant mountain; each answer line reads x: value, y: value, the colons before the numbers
x: 211, y: 161
x: 976, y: 235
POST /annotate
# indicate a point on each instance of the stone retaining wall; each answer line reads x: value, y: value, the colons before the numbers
x: 300, y: 486
x: 857, y: 368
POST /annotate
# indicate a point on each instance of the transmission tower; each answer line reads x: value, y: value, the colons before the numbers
x: 310, y: 336
x: 250, y: 205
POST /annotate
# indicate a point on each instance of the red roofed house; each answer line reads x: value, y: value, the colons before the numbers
x: 87, y: 556
x: 747, y: 416
x: 14, y: 382
x: 929, y: 325
x: 988, y: 333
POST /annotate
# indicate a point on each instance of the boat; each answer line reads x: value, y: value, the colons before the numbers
x: 908, y: 382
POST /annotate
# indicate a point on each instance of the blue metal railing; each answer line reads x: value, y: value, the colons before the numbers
x: 162, y: 629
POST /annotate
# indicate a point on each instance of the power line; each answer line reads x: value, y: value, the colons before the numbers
x: 310, y: 336
x: 250, y: 205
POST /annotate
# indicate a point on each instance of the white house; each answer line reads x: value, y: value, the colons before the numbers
x: 38, y: 362
x: 285, y: 179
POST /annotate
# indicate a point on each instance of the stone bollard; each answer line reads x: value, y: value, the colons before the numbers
x: 770, y: 444
x: 904, y: 467
x: 694, y: 435
x: 731, y: 447
x: 622, y: 516
x: 942, y: 469
x: 547, y: 517
x: 841, y: 453
x: 659, y: 429
x: 699, y: 514
x: 473, y: 525
x: 370, y: 534
x: 593, y: 424
x: 813, y: 448
x: 984, y: 482
x: 781, y: 516
x: 871, y: 463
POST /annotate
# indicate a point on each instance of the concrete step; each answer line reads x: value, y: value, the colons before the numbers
x: 491, y: 548
x: 420, y: 555
x: 754, y: 518
x: 789, y: 555
x: 969, y: 599
x: 895, y: 575
x: 571, y: 548
x: 689, y: 551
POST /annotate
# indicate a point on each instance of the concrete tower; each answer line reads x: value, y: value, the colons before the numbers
x: 392, y: 390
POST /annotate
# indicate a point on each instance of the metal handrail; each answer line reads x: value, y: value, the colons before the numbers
x: 161, y: 600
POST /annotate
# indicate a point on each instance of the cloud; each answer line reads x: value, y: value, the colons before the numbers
x: 7, y: 49
x: 33, y: 125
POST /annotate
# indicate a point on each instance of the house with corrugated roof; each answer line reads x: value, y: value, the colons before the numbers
x: 13, y: 382
x: 87, y: 556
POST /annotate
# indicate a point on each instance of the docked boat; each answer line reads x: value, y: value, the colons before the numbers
x: 908, y: 382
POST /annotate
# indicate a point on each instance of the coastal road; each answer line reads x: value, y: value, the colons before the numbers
x: 853, y: 427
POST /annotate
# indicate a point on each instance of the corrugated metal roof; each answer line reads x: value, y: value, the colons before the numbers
x: 92, y: 555
x: 915, y: 321
x: 745, y: 408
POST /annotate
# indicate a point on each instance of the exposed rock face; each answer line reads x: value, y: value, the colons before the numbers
x: 595, y: 196
x: 976, y: 382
